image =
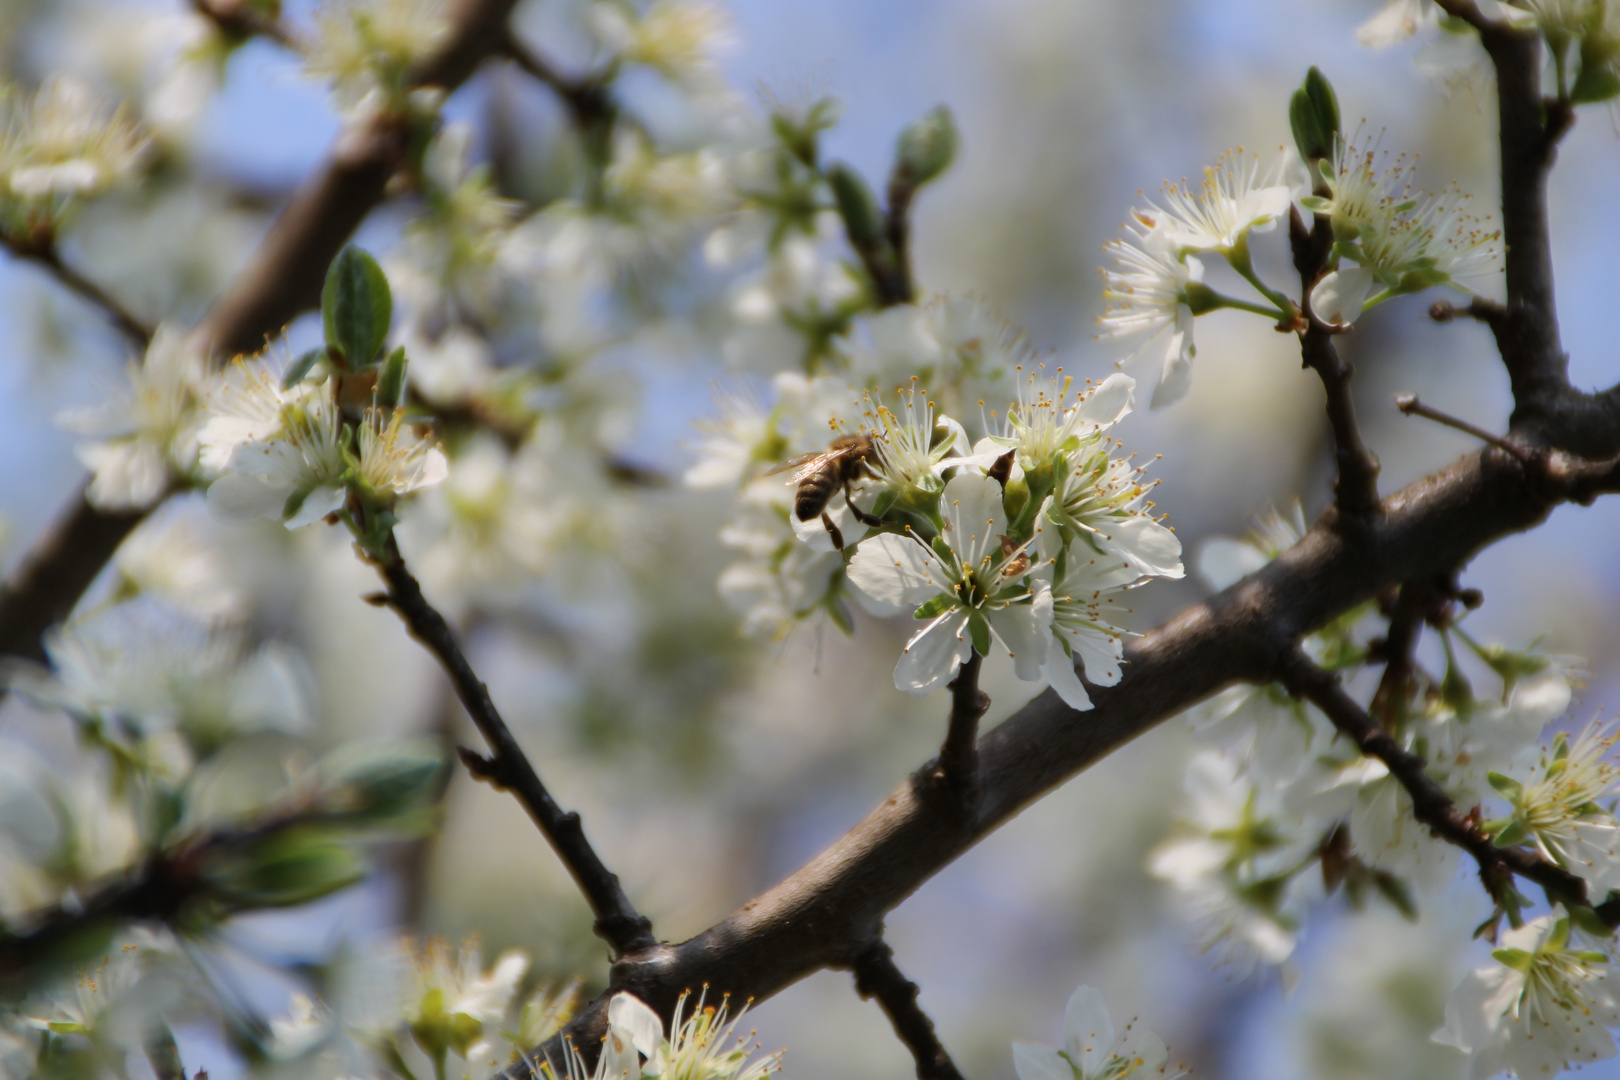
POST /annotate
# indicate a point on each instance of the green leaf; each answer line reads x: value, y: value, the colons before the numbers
x: 980, y: 631
x: 391, y: 380
x: 1313, y: 113
x: 938, y: 605
x: 301, y: 367
x: 926, y: 148
x: 1517, y: 959
x: 841, y: 617
x: 857, y: 206
x: 356, y: 307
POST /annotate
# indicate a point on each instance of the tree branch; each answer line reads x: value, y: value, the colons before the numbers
x: 617, y: 921
x: 1430, y: 804
x: 876, y: 976
x: 1355, y: 484
x: 45, y: 253
x: 959, y: 755
x: 1411, y: 406
x: 825, y: 914
x: 283, y: 279
x: 240, y: 19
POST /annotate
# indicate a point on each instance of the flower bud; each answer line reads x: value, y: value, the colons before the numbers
x: 926, y: 148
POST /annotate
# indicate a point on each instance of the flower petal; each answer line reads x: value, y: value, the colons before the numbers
x: 931, y: 657
x: 897, y: 572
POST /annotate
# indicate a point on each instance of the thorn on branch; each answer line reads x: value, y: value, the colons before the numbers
x: 1480, y: 309
x: 377, y: 599
x: 877, y: 976
x: 480, y: 767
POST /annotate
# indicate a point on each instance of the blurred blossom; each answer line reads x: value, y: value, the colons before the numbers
x: 144, y: 673
x: 169, y: 558
x: 1237, y: 867
x: 678, y: 38
x: 148, y: 429
x: 366, y: 48
x: 65, y: 143
x: 1092, y: 1050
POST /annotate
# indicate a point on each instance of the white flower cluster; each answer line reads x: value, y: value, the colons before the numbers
x: 1094, y: 1050
x: 1276, y: 781
x: 1030, y: 536
x: 1389, y: 239
x: 290, y: 453
x: 1281, y: 807
x: 65, y: 142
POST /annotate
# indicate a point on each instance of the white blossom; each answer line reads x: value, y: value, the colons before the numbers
x: 1236, y: 865
x: 1148, y: 298
x: 1085, y: 608
x: 1565, y: 807
x: 454, y: 1002
x: 366, y: 47
x: 1092, y: 1050
x: 394, y: 459
x: 1237, y: 197
x: 169, y: 558
x: 66, y: 142
x: 972, y: 590
x: 147, y: 431
x: 1544, y: 1004
x: 676, y: 37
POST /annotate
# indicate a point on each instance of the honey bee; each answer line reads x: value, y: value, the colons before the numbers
x: 819, y: 474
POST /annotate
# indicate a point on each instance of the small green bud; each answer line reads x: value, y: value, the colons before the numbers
x: 356, y: 309
x: 856, y: 205
x: 1596, y: 81
x: 926, y: 148
x: 1313, y: 113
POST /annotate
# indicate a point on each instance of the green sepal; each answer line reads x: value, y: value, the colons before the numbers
x: 295, y: 502
x: 980, y: 631
x: 937, y: 605
x: 1316, y: 204
x: 1398, y: 893
x: 1313, y: 114
x: 1588, y: 920
x: 1517, y: 959
x: 943, y: 551
x: 857, y: 206
x: 1594, y: 83
x: 356, y: 307
x: 926, y: 148
x: 391, y: 380
x: 1505, y: 785
x: 841, y: 616
x: 1512, y: 832
x: 301, y: 367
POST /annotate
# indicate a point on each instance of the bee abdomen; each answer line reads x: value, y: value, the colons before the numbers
x: 813, y: 494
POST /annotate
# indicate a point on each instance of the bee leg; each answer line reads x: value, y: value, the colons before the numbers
x: 832, y: 531
x: 861, y: 515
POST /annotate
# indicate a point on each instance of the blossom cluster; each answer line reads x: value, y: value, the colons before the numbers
x: 1282, y: 811
x: 64, y: 142
x: 1029, y: 536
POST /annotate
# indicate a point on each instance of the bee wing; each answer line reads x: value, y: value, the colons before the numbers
x: 808, y: 464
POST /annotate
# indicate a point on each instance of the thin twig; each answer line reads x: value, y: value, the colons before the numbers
x: 1400, y: 640
x: 959, y: 755
x: 617, y: 921
x: 1411, y: 406
x: 1355, y: 484
x: 876, y: 976
x: 897, y: 228
x: 46, y: 254
x: 1430, y: 804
